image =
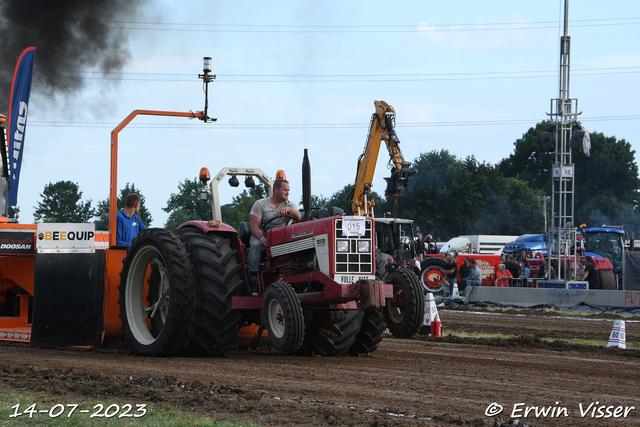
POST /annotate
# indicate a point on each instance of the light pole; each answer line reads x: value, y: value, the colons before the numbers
x: 544, y: 199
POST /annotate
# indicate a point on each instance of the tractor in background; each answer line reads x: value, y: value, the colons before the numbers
x: 606, y: 243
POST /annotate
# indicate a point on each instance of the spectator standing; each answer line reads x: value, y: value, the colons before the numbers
x: 513, y: 268
x: 431, y: 246
x: 390, y: 265
x: 420, y: 247
x: 591, y: 274
x: 546, y: 272
x: 414, y: 267
x: 451, y: 270
x: 128, y: 225
x: 526, y: 272
x: 465, y: 271
x: 523, y: 255
x: 581, y: 268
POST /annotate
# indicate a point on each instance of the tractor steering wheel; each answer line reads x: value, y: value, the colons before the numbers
x: 290, y: 220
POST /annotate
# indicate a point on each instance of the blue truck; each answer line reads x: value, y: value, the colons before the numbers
x: 530, y: 243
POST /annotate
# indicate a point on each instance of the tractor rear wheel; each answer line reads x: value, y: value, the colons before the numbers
x: 283, y: 317
x: 219, y: 279
x: 157, y: 321
x: 432, y: 276
x: 370, y: 335
x: 332, y: 340
x: 405, y: 311
x: 157, y: 292
x: 607, y: 280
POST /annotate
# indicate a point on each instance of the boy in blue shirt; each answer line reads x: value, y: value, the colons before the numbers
x: 128, y: 225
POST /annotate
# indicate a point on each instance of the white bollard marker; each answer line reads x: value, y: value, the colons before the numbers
x: 618, y: 336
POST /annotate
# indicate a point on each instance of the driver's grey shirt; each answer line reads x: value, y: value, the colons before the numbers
x: 263, y: 209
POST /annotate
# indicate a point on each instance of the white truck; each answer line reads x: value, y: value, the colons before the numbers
x: 477, y: 244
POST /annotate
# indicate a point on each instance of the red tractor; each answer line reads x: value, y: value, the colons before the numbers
x: 187, y: 291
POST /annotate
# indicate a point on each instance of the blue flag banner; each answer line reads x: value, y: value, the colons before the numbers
x: 18, y: 109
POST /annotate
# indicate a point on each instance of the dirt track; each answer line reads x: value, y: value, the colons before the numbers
x: 419, y: 381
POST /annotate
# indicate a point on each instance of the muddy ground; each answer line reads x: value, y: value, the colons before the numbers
x: 421, y: 381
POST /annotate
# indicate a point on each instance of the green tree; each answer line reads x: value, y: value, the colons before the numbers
x: 238, y: 210
x: 441, y: 196
x: 61, y: 203
x: 185, y: 205
x: 14, y: 213
x: 176, y: 218
x: 342, y: 199
x: 528, y: 162
x: 318, y: 206
x: 607, y: 181
x: 102, y: 210
x: 448, y: 197
x: 384, y: 205
x: 606, y: 184
x: 510, y: 207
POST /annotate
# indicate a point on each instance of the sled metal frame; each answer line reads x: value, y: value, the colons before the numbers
x: 113, y: 193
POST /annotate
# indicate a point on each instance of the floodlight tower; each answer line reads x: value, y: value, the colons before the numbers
x: 564, y: 114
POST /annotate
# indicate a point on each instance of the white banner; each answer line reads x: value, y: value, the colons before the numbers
x: 57, y: 237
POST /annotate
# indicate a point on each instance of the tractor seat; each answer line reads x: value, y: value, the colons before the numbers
x: 245, y: 232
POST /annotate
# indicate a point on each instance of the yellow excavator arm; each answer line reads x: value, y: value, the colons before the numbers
x: 382, y: 128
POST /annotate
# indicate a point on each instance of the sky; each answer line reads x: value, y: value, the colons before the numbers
x: 466, y: 76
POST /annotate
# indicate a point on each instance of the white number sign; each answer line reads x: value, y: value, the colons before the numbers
x: 353, y: 226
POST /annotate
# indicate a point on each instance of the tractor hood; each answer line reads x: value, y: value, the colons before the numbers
x: 299, y: 231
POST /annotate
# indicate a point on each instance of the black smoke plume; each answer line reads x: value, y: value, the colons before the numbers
x: 71, y: 37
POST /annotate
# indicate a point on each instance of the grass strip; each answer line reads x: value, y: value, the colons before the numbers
x: 551, y: 311
x: 630, y: 345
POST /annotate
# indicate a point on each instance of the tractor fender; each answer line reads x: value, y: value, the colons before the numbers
x: 207, y: 226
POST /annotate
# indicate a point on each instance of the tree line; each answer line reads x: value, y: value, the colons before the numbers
x: 447, y: 196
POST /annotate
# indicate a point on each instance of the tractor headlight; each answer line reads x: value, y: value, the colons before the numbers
x: 364, y: 246
x: 342, y: 245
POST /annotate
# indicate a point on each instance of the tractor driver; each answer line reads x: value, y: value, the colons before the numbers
x: 262, y: 215
x: 128, y: 225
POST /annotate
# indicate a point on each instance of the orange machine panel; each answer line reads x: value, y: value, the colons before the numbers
x: 112, y: 322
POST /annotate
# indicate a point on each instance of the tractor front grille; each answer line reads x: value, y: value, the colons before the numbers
x: 353, y: 261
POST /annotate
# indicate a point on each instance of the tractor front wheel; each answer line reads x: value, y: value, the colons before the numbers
x: 404, y: 312
x: 332, y: 339
x: 283, y: 317
x: 370, y: 334
x: 157, y: 294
